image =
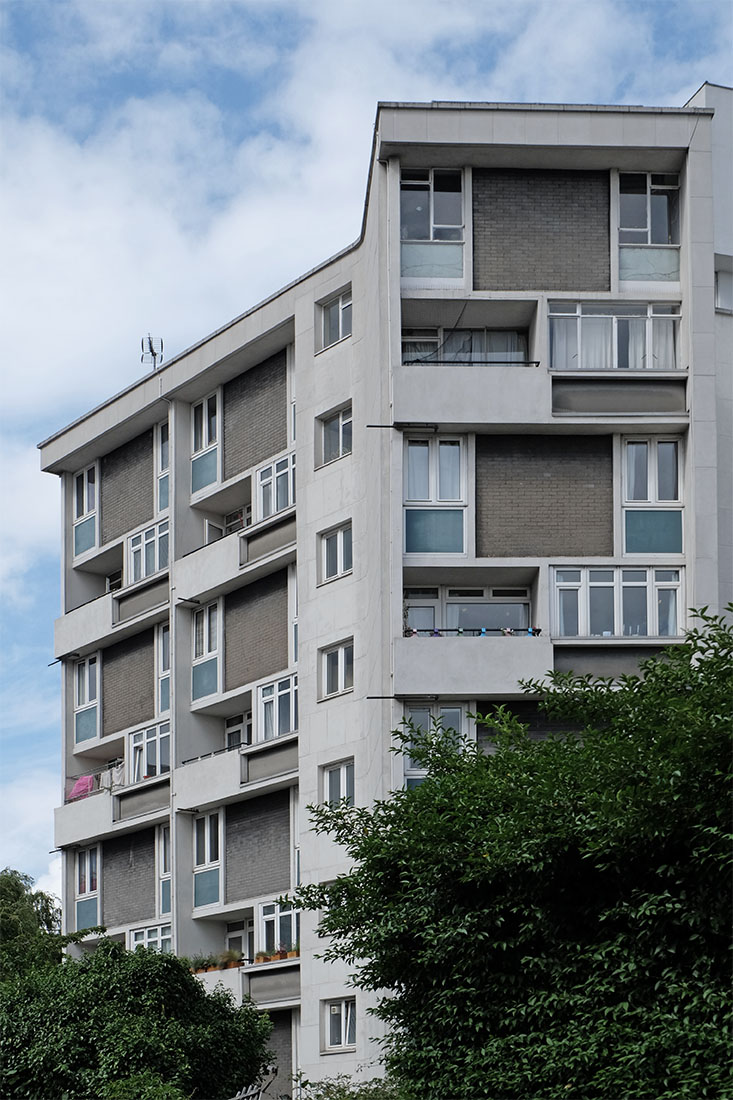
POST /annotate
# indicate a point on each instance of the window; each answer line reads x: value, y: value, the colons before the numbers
x: 206, y: 859
x: 651, y: 484
x: 238, y: 519
x: 648, y: 225
x: 601, y: 336
x: 163, y: 856
x: 724, y: 290
x: 338, y: 782
x: 336, y: 435
x: 150, y: 752
x: 427, y: 717
x: 338, y: 669
x: 466, y: 611
x: 85, y: 510
x: 164, y: 668
x: 278, y: 708
x: 340, y: 1024
x: 204, y: 451
x: 613, y: 602
x: 431, y: 223
x: 279, y: 929
x: 238, y: 730
x: 87, y: 887
x: 434, y: 476
x: 463, y: 346
x: 336, y: 319
x: 276, y: 486
x: 336, y: 553
x: 241, y: 937
x: 156, y: 939
x: 163, y: 460
x: 85, y: 699
x: 148, y: 552
x: 205, y: 670
x: 113, y: 581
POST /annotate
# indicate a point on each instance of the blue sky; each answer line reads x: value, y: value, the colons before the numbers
x: 168, y: 163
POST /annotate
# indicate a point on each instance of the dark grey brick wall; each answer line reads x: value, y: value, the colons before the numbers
x: 540, y: 230
x: 281, y: 1044
x: 127, y: 494
x: 256, y: 630
x: 539, y: 495
x: 255, y: 415
x: 258, y: 846
x: 128, y: 682
x: 128, y: 878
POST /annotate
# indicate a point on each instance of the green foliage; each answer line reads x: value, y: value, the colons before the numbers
x: 344, y: 1088
x: 121, y: 1025
x: 29, y: 925
x: 552, y: 919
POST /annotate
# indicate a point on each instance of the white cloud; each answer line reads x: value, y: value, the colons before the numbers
x: 27, y: 801
x: 50, y: 882
x: 31, y: 523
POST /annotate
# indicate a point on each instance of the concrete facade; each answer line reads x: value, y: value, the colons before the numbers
x: 484, y: 492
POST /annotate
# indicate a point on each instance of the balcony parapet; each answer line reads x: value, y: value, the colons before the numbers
x: 464, y: 667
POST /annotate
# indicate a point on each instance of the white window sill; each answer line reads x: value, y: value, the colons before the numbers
x: 336, y: 695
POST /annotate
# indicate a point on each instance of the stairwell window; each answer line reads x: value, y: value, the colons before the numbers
x: 204, y: 450
x: 336, y: 319
x: 336, y: 435
x: 87, y: 888
x: 435, y: 496
x: 649, y: 226
x: 207, y: 859
x: 651, y: 485
x: 338, y: 782
x: 85, y: 510
x: 337, y: 669
x: 205, y: 670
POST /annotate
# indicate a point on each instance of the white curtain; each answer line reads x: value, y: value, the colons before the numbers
x: 596, y: 343
x: 664, y: 341
x: 563, y: 343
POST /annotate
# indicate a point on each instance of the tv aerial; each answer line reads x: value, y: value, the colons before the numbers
x: 152, y: 350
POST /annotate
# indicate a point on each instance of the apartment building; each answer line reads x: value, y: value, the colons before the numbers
x: 507, y: 410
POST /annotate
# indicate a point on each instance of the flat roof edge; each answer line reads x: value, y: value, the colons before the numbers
x: 462, y: 105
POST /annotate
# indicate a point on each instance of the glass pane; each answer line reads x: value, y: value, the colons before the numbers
x: 204, y: 679
x: 346, y: 319
x: 568, y: 606
x: 266, y: 499
x: 637, y: 471
x: 206, y: 887
x: 414, y: 213
x: 653, y: 532
x: 165, y: 649
x: 447, y: 204
x: 631, y: 344
x: 420, y: 618
x: 92, y: 870
x: 649, y: 264
x: 213, y: 837
x: 433, y: 531
x: 200, y: 841
x: 667, y: 471
x: 334, y: 785
x: 163, y: 493
x: 347, y: 549
x: 85, y: 724
x: 283, y: 496
x: 331, y: 439
x: 563, y: 343
x: 349, y: 769
x: 451, y: 718
x: 346, y: 438
x: 211, y: 420
x: 665, y: 217
x: 664, y: 340
x: 330, y: 323
x: 164, y: 447
x: 92, y: 679
x: 449, y: 470
x: 596, y: 343
x: 331, y: 551
x: 149, y: 558
x: 334, y: 1029
x: 569, y: 576
x: 283, y: 714
x: 84, y: 535
x: 632, y: 188
x: 350, y: 1023
x: 212, y: 629
x: 91, y: 489
x: 432, y: 260
x: 487, y: 615
x: 203, y: 470
x: 418, y: 470
x: 634, y: 611
x: 332, y: 665
x: 165, y: 753
x: 198, y: 634
x: 150, y: 760
x: 348, y: 666
x: 79, y: 508
x: 667, y: 611
x: 420, y: 717
x: 267, y: 718
x: 198, y: 428
x: 81, y: 880
x: 601, y: 611
x: 165, y: 849
x: 86, y: 913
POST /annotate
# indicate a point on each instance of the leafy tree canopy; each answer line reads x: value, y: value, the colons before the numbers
x: 29, y: 925
x: 551, y: 918
x: 123, y: 1025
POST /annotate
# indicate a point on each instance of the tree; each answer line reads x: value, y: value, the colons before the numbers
x: 30, y: 921
x: 123, y: 1025
x: 551, y: 919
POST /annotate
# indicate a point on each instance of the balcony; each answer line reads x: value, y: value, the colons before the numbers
x: 221, y: 775
x: 464, y: 664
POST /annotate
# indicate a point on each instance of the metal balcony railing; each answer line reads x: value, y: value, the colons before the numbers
x: 108, y: 778
x: 474, y: 632
x: 475, y: 361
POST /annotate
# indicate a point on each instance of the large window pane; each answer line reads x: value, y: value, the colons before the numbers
x: 447, y: 205
x: 205, y: 679
x: 415, y: 212
x: 653, y: 532
x: 568, y: 601
x: 632, y: 187
x: 433, y: 531
x: 667, y: 611
x: 596, y: 343
x: 84, y: 535
x: 601, y: 611
x: 563, y: 343
x: 634, y: 611
x: 331, y: 448
x: 206, y: 887
x: 203, y: 470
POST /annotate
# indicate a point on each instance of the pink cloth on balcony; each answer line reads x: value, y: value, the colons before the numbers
x: 82, y: 787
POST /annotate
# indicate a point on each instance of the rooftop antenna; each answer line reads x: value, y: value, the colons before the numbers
x: 152, y: 350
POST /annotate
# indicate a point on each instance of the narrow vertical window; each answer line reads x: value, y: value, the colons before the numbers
x: 207, y: 863
x: 85, y: 510
x: 204, y: 450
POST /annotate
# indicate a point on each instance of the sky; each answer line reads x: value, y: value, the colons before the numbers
x: 166, y: 164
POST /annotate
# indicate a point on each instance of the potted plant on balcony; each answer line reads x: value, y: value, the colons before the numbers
x: 199, y: 963
x: 294, y: 951
x: 282, y: 950
x: 261, y: 957
x: 230, y: 958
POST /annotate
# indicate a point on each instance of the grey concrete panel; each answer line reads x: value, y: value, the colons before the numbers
x: 276, y: 761
x: 540, y: 230
x: 255, y: 415
x: 126, y: 491
x: 142, y: 600
x: 543, y: 495
x: 128, y: 878
x: 275, y: 985
x: 272, y: 538
x: 128, y: 683
x: 135, y: 803
x: 258, y: 846
x: 602, y: 660
x: 598, y: 396
x: 256, y: 630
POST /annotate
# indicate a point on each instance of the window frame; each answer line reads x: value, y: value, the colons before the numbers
x: 270, y: 926
x: 213, y: 845
x: 241, y: 724
x: 156, y: 535
x: 88, y: 858
x: 87, y: 693
x: 210, y: 646
x: 279, y: 469
x: 651, y: 187
x: 339, y: 534
x: 153, y: 938
x: 164, y: 869
x: 344, y: 771
x: 139, y: 741
x: 415, y: 185
x: 162, y: 467
x: 343, y: 305
x: 346, y: 1010
x: 344, y: 685
x: 653, y: 501
x: 89, y: 502
x: 580, y: 311
x: 433, y: 501
x: 344, y: 419
x: 619, y: 584
x: 413, y: 774
x: 440, y: 598
x: 270, y: 695
x: 204, y: 441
